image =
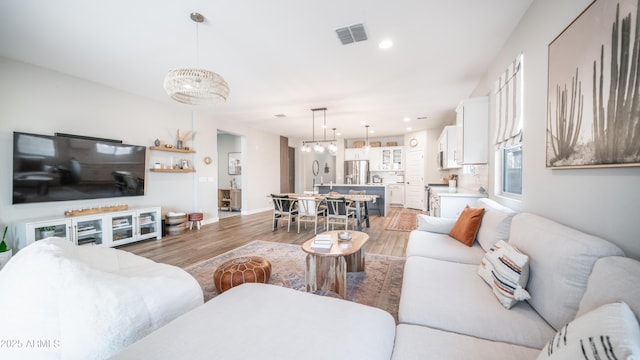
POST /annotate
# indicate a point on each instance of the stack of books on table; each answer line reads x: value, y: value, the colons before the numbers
x: 322, y: 242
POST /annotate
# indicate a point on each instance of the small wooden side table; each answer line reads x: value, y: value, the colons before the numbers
x: 327, y: 269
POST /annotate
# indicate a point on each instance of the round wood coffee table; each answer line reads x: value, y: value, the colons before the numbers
x: 327, y: 268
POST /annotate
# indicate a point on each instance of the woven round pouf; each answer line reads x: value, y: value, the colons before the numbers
x: 241, y: 270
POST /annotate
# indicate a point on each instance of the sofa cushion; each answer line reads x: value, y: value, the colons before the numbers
x: 261, y: 321
x: 560, y: 262
x: 496, y: 223
x: 613, y: 278
x: 442, y: 247
x: 452, y: 297
x: 467, y: 225
x: 434, y: 224
x: 506, y: 270
x: 421, y: 342
x: 610, y: 331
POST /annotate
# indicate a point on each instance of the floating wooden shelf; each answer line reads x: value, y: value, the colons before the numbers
x: 173, y: 170
x: 162, y: 148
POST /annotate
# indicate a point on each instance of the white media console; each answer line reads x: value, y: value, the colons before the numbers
x: 104, y: 229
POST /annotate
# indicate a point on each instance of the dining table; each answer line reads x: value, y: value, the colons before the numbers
x: 362, y: 212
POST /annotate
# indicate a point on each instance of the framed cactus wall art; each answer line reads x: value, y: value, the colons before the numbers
x: 593, y: 96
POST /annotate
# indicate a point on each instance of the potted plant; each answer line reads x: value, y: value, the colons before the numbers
x: 47, y: 231
x: 5, y: 251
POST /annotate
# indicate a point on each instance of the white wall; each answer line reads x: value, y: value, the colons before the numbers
x: 37, y: 100
x: 603, y: 201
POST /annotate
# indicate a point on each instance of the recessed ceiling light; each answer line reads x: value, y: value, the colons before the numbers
x: 407, y: 119
x: 385, y: 44
x: 409, y: 129
x: 371, y: 131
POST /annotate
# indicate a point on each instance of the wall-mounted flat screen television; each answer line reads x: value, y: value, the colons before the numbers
x: 60, y: 168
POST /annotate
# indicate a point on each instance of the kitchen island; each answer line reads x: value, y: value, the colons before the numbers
x: 377, y: 207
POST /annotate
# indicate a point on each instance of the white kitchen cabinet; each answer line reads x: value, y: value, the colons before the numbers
x: 450, y: 205
x: 355, y: 154
x: 447, y: 145
x: 375, y: 159
x: 392, y: 158
x: 104, y: 229
x: 396, y: 194
x: 472, y: 123
x: 380, y: 158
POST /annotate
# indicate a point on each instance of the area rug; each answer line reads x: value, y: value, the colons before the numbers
x: 379, y: 285
x: 403, y: 220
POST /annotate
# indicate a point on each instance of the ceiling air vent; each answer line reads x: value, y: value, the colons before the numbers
x: 352, y: 33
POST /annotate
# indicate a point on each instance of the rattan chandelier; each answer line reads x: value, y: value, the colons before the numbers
x: 196, y: 86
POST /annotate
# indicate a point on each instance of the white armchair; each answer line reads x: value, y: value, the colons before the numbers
x: 87, y: 302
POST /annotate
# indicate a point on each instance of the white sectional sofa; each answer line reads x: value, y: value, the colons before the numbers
x: 447, y: 311
x: 61, y: 301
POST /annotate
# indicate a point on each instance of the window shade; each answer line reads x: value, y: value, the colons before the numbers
x: 509, y: 105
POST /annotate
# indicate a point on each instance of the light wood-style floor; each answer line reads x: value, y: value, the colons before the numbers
x: 229, y: 233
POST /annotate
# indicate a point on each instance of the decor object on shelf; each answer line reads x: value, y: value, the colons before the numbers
x: 235, y: 167
x: 98, y: 210
x: 182, y: 139
x: 156, y: 142
x: 590, y: 117
x: 318, y: 145
x: 47, y: 231
x: 195, y: 86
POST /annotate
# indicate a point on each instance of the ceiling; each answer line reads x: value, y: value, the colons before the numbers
x: 278, y: 56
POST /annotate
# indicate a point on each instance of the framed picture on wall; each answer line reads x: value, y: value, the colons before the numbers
x: 235, y: 167
x: 593, y: 100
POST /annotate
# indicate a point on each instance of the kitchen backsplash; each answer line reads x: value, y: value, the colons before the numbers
x: 471, y: 177
x: 387, y: 177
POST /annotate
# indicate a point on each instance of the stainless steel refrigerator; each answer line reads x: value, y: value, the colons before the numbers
x: 356, y: 172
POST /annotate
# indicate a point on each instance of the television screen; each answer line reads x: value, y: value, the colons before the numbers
x: 60, y: 168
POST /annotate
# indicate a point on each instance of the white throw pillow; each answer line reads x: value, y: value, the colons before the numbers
x: 608, y: 332
x: 434, y: 224
x: 506, y: 270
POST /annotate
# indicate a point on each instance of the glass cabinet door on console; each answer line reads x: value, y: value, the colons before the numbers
x: 89, y: 230
x: 36, y: 231
x: 148, y: 221
x: 122, y: 228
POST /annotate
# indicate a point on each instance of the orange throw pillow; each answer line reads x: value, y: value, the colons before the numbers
x: 467, y: 226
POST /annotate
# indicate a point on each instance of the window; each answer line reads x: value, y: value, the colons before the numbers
x: 512, y: 170
x: 508, y: 140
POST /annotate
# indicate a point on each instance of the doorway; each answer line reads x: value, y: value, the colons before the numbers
x: 414, y: 177
x: 230, y: 166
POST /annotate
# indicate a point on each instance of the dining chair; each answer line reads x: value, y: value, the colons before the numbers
x: 311, y: 209
x: 351, y: 204
x: 284, y: 208
x: 338, y: 212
